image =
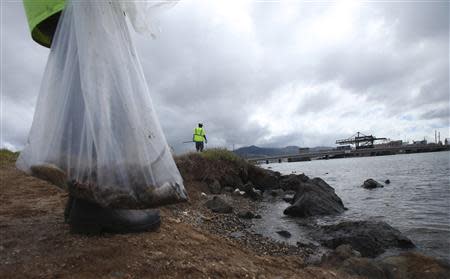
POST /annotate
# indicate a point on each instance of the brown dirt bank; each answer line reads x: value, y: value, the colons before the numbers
x: 36, y: 243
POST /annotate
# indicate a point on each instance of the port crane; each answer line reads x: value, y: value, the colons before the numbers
x: 360, y: 140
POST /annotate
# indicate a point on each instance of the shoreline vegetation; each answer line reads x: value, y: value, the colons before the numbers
x: 210, y: 236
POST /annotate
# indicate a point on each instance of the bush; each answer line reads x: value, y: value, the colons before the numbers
x: 213, y: 164
x: 7, y: 156
x: 221, y: 154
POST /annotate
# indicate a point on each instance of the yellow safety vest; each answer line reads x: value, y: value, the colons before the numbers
x: 199, y: 134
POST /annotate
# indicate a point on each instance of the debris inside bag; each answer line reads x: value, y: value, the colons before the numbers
x: 113, y: 196
x: 50, y: 173
x: 146, y: 197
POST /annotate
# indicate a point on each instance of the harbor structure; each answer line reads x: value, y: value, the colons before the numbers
x: 364, y: 146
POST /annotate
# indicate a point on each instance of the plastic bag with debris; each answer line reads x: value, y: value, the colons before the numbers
x: 95, y: 131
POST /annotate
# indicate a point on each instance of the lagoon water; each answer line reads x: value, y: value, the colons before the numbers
x: 416, y: 202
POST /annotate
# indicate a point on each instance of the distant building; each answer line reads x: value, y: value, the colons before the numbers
x: 392, y: 143
x: 344, y: 147
x: 420, y: 141
x: 395, y: 143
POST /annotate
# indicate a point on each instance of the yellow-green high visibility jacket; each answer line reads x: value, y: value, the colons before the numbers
x: 43, y: 16
x: 199, y: 134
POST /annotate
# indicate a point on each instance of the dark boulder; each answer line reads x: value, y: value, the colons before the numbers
x: 251, y: 191
x: 364, y: 268
x: 284, y: 233
x: 337, y: 256
x: 214, y: 187
x: 276, y: 192
x: 263, y: 179
x: 231, y: 180
x: 292, y: 181
x: 387, y: 181
x: 323, y: 185
x: 228, y: 189
x: 313, y: 204
x: 370, y: 238
x: 289, y: 198
x: 371, y: 184
x: 403, y: 266
x: 416, y: 265
x: 218, y: 205
x: 315, y: 197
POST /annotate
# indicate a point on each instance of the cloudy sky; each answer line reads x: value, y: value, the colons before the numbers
x: 270, y: 73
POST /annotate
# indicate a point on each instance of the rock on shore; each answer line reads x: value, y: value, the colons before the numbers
x: 313, y: 197
x: 404, y: 266
x: 218, y: 205
x: 367, y: 237
x: 214, y: 187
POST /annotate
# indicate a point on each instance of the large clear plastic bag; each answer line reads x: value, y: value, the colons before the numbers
x: 95, y: 131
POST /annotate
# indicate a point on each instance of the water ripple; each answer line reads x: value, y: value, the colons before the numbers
x: 417, y: 201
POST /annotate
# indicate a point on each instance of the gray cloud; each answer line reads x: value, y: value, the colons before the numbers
x: 441, y: 113
x: 316, y: 102
x: 274, y: 74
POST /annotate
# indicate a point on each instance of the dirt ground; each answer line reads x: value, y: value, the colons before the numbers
x: 36, y: 243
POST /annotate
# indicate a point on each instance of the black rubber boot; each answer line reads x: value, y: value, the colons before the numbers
x: 68, y: 208
x: 89, y: 218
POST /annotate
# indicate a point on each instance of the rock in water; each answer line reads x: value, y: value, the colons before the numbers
x: 387, y: 181
x: 289, y: 198
x: 367, y: 237
x: 371, y: 184
x: 315, y: 197
x: 218, y: 205
x: 292, y: 181
x: 284, y: 233
x: 214, y: 187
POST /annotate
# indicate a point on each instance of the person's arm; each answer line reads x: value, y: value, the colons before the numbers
x: 206, y: 141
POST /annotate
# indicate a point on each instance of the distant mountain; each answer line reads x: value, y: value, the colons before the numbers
x: 255, y: 151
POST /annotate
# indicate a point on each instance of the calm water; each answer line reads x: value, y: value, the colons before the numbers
x: 416, y: 202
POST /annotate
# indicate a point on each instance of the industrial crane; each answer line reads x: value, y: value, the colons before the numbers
x: 360, y: 140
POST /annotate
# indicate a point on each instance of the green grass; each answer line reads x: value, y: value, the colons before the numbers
x: 8, y: 156
x: 223, y: 155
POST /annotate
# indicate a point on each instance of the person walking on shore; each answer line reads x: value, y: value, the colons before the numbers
x: 199, y: 137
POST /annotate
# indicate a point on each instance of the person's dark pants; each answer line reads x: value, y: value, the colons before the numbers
x: 199, y: 146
